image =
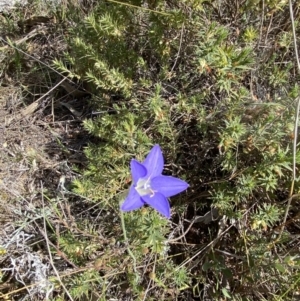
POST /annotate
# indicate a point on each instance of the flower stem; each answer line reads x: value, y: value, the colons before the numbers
x: 128, y: 249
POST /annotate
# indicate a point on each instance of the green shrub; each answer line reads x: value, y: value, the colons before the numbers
x: 206, y: 83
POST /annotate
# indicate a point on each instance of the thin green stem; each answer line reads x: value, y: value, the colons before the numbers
x: 128, y: 249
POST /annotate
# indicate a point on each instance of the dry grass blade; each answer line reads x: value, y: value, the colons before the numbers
x: 49, y: 251
x: 296, y: 123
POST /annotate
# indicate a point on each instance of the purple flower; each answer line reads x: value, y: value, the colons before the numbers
x: 150, y: 186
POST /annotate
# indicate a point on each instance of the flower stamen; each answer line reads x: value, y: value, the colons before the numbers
x: 143, y: 187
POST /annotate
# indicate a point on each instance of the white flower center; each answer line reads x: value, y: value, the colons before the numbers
x: 143, y: 187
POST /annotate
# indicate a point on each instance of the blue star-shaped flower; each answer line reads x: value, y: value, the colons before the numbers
x: 150, y: 186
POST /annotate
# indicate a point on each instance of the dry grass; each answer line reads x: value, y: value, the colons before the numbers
x: 41, y: 147
x: 41, y: 140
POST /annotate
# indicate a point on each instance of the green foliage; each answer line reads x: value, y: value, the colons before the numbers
x: 222, y: 110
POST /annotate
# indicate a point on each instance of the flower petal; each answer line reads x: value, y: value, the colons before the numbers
x: 138, y: 170
x: 168, y: 186
x: 158, y: 202
x: 154, y: 162
x: 133, y: 200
